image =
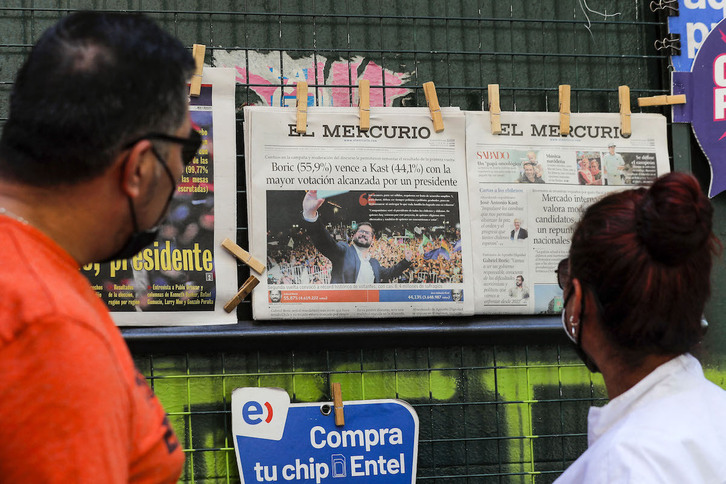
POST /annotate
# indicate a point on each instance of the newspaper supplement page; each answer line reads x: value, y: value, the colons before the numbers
x: 528, y: 188
x: 358, y: 224
x: 185, y: 277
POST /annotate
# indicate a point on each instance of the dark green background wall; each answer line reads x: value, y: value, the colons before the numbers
x: 499, y: 399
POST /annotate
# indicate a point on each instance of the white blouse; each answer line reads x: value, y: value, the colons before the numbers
x: 668, y: 428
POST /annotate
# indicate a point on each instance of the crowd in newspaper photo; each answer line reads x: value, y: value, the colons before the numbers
x: 403, y: 246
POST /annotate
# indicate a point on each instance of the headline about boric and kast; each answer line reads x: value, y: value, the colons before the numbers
x: 372, y: 171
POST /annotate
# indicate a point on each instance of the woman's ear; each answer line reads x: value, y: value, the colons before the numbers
x: 576, y: 307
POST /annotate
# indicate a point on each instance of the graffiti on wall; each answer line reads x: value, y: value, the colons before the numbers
x: 527, y: 408
x: 273, y: 77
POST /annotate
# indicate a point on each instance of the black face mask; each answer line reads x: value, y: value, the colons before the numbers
x: 139, y: 238
x: 143, y: 238
x: 134, y: 244
x: 577, y: 343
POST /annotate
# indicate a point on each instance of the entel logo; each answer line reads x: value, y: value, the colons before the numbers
x: 251, y: 412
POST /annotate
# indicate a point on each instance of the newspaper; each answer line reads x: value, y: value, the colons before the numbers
x: 309, y: 196
x: 528, y: 187
x: 454, y: 232
x: 185, y: 277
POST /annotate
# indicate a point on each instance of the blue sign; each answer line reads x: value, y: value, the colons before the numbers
x: 695, y: 19
x: 705, y: 109
x: 276, y: 441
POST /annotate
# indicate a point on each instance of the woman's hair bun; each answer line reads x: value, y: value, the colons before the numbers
x: 674, y: 218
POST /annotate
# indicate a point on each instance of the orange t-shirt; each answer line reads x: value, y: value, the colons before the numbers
x: 73, y: 407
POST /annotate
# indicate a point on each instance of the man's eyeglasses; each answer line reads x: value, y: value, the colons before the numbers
x: 190, y: 145
x: 563, y: 273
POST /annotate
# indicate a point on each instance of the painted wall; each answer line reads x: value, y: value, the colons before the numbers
x: 487, y: 413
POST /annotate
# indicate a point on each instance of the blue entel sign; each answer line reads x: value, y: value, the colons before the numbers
x: 276, y: 441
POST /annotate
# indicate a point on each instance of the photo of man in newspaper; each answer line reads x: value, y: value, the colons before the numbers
x: 531, y: 173
x: 519, y: 290
x: 518, y: 232
x: 613, y: 166
x: 355, y: 237
x: 351, y: 263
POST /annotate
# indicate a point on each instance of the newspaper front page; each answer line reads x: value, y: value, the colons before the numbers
x: 528, y: 187
x: 358, y: 224
x: 185, y: 277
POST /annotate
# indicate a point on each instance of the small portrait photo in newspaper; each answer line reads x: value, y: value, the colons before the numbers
x: 532, y: 170
x: 589, y: 171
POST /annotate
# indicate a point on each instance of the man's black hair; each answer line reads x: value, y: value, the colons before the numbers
x: 366, y: 223
x: 92, y: 83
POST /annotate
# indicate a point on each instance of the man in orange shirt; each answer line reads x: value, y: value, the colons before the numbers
x: 95, y: 143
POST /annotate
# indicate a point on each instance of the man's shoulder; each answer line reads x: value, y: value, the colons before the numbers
x: 41, y: 302
x: 38, y: 283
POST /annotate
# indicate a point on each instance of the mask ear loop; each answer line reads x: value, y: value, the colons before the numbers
x: 569, y: 330
x: 589, y: 363
x: 582, y: 314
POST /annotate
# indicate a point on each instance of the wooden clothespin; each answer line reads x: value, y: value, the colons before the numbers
x: 337, y: 404
x: 302, y: 107
x: 244, y: 256
x: 662, y: 100
x: 564, y: 109
x: 364, y: 104
x: 433, y: 101
x: 198, y: 53
x: 246, y: 288
x: 624, y: 101
x: 495, y: 111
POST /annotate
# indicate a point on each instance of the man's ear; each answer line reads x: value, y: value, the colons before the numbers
x: 135, y: 168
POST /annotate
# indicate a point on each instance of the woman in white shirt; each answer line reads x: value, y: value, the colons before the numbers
x: 635, y: 284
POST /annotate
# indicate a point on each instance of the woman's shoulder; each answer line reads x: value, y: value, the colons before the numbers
x: 663, y: 427
x: 667, y: 453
